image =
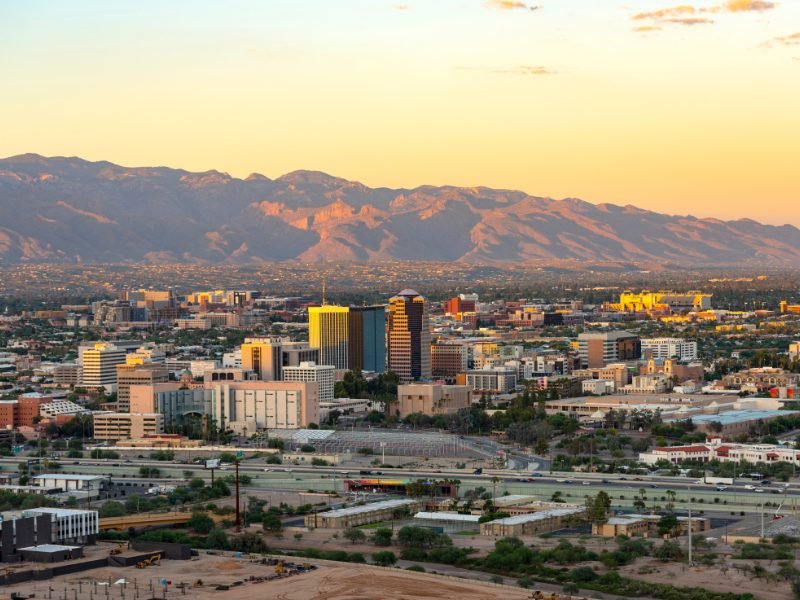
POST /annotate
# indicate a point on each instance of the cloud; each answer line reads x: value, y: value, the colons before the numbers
x: 686, y: 14
x: 509, y: 5
x: 401, y: 7
x: 786, y: 40
x: 689, y: 21
x: 531, y: 70
x: 747, y: 6
x: 675, y: 11
x: 646, y: 28
x: 525, y: 70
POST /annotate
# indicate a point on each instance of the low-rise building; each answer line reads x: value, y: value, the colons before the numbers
x: 632, y: 525
x: 431, y: 398
x: 353, y: 516
x: 532, y: 523
x: 717, y: 449
x: 126, y: 426
x: 497, y: 380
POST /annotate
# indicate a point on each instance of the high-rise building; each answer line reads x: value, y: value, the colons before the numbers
x: 267, y: 356
x: 263, y: 357
x: 463, y: 303
x: 99, y: 366
x: 660, y: 348
x: 409, y: 337
x: 328, y: 330
x: 310, y: 371
x: 600, y: 349
x: 448, y: 360
x: 367, y: 338
x: 137, y: 372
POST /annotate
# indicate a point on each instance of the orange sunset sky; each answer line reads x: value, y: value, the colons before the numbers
x: 680, y: 108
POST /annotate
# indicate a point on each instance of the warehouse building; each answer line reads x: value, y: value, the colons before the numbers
x: 531, y: 523
x: 354, y: 516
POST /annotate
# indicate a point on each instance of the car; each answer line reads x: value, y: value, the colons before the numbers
x: 267, y: 470
x: 478, y: 471
x: 586, y: 483
x: 759, y: 490
x: 653, y: 485
x: 699, y: 481
x: 623, y: 479
x: 288, y: 470
x: 749, y: 487
x: 765, y: 482
x: 536, y: 475
x: 604, y: 481
x: 722, y: 488
x: 775, y: 491
x: 561, y: 481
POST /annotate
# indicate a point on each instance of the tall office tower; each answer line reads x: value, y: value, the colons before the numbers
x: 367, y: 338
x: 311, y: 371
x: 137, y: 372
x: 263, y: 356
x: 328, y: 331
x: 99, y: 366
x: 600, y: 349
x: 409, y: 337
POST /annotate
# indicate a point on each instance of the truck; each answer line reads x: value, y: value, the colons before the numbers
x: 718, y: 480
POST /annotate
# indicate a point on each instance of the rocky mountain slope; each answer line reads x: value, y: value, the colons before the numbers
x: 71, y: 210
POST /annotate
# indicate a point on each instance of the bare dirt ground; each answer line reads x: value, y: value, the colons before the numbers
x: 710, y: 578
x: 346, y: 582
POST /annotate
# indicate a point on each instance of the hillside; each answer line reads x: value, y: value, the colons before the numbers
x: 72, y: 210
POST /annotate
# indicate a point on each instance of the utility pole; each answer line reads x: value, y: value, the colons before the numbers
x: 762, y: 520
x: 690, y: 525
x: 238, y: 513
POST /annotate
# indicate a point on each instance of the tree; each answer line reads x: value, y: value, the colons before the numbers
x: 200, y: 523
x: 385, y: 558
x: 272, y: 522
x: 597, y: 507
x: 667, y: 524
x: 112, y: 508
x: 382, y: 536
x: 217, y: 538
x: 668, y: 551
x: 354, y: 535
x: 639, y: 501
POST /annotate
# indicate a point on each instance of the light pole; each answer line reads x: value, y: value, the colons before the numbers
x: 689, y: 498
x: 383, y: 453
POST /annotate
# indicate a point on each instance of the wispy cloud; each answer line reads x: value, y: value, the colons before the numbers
x: 401, y: 7
x: 747, y: 6
x: 646, y: 28
x: 786, y: 40
x: 527, y: 70
x: 510, y: 5
x: 687, y: 14
x: 664, y: 13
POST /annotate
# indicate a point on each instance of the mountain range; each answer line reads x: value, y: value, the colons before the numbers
x: 73, y: 210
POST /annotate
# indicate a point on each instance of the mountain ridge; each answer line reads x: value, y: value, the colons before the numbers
x: 67, y: 209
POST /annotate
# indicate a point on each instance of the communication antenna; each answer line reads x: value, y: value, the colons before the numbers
x: 323, y: 291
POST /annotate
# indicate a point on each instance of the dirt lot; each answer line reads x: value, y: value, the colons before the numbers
x: 710, y: 578
x: 350, y: 582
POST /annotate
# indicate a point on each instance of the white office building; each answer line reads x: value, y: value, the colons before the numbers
x: 662, y: 348
x: 324, y: 375
x: 99, y: 366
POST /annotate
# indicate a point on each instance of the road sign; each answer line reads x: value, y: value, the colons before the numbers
x: 240, y: 454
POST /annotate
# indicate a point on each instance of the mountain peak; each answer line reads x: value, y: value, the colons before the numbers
x: 66, y: 209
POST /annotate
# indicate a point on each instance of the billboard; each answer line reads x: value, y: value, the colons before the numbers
x: 212, y: 463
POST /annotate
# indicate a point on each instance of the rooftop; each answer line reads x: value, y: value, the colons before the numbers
x: 69, y: 476
x: 737, y: 416
x: 539, y: 516
x: 446, y: 516
x: 50, y: 548
x: 368, y: 508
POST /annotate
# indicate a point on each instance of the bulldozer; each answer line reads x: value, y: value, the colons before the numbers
x: 153, y: 560
x: 117, y: 550
x: 280, y: 568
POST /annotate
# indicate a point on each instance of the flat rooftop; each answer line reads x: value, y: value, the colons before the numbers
x: 368, y: 508
x: 70, y: 476
x: 447, y: 516
x: 539, y: 516
x: 50, y: 548
x: 744, y: 414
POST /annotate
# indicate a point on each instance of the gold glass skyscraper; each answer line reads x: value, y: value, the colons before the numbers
x: 409, y: 337
x: 328, y: 330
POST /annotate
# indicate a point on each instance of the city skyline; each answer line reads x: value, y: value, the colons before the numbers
x: 684, y: 109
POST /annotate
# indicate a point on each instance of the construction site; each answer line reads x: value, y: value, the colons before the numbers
x: 146, y: 575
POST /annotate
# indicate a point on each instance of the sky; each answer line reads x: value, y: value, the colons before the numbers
x: 684, y: 107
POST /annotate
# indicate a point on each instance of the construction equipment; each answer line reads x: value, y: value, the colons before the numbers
x: 153, y: 560
x: 280, y: 568
x: 777, y: 514
x: 118, y: 549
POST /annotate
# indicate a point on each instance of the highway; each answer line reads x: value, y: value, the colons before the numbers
x: 573, y: 487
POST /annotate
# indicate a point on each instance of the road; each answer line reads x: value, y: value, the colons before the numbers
x: 573, y: 487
